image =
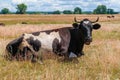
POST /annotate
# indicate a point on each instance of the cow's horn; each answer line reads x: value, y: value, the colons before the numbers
x: 76, y: 20
x: 96, y: 20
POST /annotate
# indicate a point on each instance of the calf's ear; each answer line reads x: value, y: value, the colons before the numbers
x: 96, y: 26
x: 75, y: 25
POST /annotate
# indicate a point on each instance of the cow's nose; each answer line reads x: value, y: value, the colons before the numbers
x: 88, y: 39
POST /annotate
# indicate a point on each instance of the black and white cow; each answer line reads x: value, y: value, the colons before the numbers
x: 68, y: 41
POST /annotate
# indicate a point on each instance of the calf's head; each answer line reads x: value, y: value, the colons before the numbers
x: 86, y: 26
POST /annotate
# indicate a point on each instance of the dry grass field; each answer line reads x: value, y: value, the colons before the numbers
x: 100, y: 62
x: 50, y: 19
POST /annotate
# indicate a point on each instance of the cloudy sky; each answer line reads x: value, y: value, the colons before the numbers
x: 52, y: 5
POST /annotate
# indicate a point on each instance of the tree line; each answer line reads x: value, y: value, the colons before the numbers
x: 21, y: 9
x: 101, y: 9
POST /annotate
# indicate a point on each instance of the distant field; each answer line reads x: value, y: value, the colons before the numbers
x: 100, y: 62
x: 50, y: 19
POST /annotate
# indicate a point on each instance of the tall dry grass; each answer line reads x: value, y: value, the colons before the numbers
x: 100, y: 62
x: 11, y: 31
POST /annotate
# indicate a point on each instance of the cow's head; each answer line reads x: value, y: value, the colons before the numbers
x: 86, y: 26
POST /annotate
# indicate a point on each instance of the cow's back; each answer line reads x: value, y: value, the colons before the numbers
x: 49, y: 39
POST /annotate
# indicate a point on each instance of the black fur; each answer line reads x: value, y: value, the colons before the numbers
x: 12, y: 47
x: 36, y: 44
x: 81, y: 34
x: 76, y: 42
x: 36, y: 33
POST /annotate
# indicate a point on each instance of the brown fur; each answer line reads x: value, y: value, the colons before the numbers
x: 2, y: 24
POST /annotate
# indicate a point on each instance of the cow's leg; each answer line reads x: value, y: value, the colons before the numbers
x: 65, y: 41
x: 64, y: 52
x: 55, y: 45
x: 18, y: 55
x: 33, y: 59
x: 80, y: 54
x: 25, y: 50
x: 40, y: 58
x: 37, y: 56
x: 66, y: 56
x: 34, y: 56
x: 64, y: 49
x: 80, y: 51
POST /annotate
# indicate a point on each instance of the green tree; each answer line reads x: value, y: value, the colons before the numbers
x: 5, y: 11
x: 77, y: 10
x: 110, y: 11
x: 95, y: 11
x: 56, y: 12
x: 21, y: 8
x: 67, y: 12
x: 101, y: 9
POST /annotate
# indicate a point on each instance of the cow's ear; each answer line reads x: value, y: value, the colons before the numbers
x: 75, y: 25
x: 96, y: 26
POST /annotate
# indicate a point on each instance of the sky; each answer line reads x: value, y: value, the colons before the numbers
x: 52, y: 5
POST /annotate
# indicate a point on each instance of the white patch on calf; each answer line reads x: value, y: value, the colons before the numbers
x: 72, y: 55
x: 45, y: 39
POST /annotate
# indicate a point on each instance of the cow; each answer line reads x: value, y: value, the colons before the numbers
x: 2, y: 24
x: 24, y: 23
x: 67, y: 41
x: 110, y: 16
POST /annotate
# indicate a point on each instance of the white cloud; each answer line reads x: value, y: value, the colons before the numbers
x: 22, y: 1
x: 6, y: 5
x: 51, y: 5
